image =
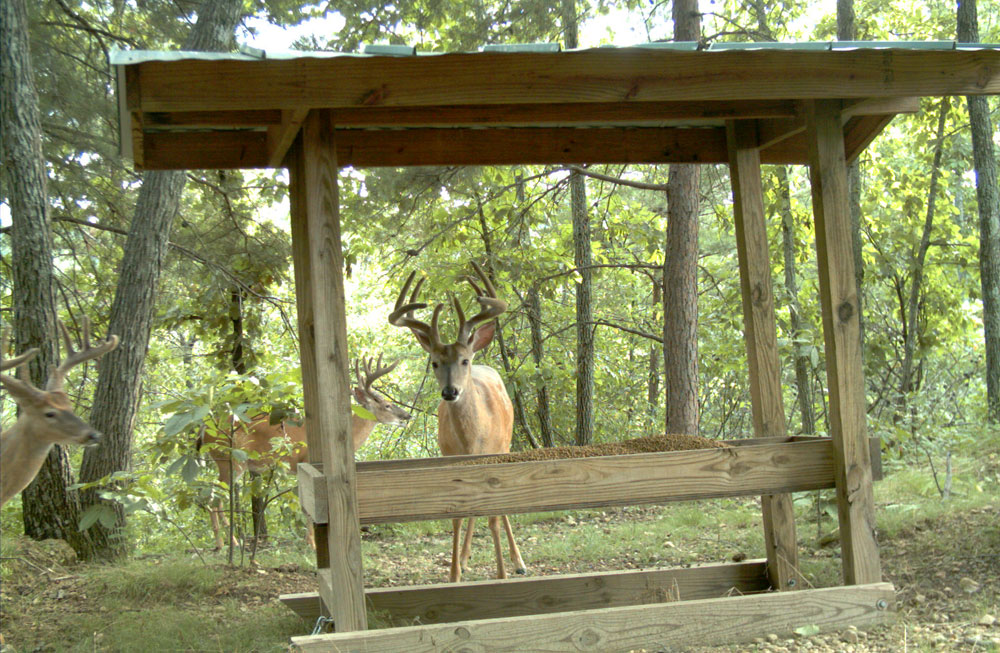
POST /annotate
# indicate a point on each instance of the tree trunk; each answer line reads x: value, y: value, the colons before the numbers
x: 533, y: 305
x: 847, y: 30
x: 802, y: 379
x: 582, y: 257
x: 49, y: 510
x: 117, y: 397
x: 988, y: 196
x: 680, y: 271
x: 912, y: 318
x: 655, y: 356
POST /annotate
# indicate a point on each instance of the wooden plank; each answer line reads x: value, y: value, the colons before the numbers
x: 203, y: 149
x: 841, y: 331
x: 761, y: 336
x: 508, y: 146
x: 231, y: 119
x: 312, y: 497
x: 650, y: 627
x: 597, y: 75
x: 770, y: 132
x: 132, y: 114
x: 280, y: 136
x: 564, y: 114
x: 861, y: 131
x: 332, y: 411
x: 454, y: 491
x: 516, y: 597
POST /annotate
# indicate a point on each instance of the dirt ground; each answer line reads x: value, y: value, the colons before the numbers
x: 947, y: 576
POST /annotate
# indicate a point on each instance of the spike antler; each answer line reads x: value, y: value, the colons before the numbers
x: 402, y: 314
x: 492, y: 306
x: 74, y: 358
x: 9, y: 363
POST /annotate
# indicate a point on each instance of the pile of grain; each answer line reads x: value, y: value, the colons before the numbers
x: 651, y: 444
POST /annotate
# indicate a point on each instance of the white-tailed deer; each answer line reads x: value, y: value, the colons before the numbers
x: 259, y: 434
x: 46, y: 417
x: 475, y: 415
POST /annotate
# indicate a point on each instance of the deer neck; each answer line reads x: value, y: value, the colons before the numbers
x: 465, y: 425
x: 22, y: 456
x: 361, y: 428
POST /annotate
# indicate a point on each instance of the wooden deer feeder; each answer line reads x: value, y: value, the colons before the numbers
x: 816, y: 105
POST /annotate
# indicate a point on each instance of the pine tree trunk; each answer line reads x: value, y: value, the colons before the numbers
x: 803, y: 382
x: 533, y: 305
x: 988, y: 196
x: 680, y: 271
x: 118, y: 389
x: 655, y: 356
x: 49, y: 509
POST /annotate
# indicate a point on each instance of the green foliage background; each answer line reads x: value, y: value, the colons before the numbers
x: 233, y: 235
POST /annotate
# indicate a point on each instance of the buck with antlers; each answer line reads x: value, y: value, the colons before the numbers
x: 46, y: 417
x: 258, y: 436
x: 475, y: 415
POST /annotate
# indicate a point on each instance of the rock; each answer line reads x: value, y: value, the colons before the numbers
x: 849, y: 636
x: 969, y: 585
x: 771, y: 637
x: 987, y: 620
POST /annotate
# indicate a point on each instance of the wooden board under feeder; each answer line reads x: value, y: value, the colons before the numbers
x: 648, y: 444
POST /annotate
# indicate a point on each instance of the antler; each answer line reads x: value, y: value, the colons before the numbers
x: 370, y: 376
x: 402, y: 314
x: 74, y: 358
x: 491, y: 305
x: 17, y: 360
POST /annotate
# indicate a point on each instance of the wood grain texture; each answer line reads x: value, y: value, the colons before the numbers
x: 650, y: 627
x: 331, y: 419
x: 280, y: 136
x: 525, y: 596
x: 761, y: 336
x: 841, y: 332
x: 597, y: 75
x: 454, y: 491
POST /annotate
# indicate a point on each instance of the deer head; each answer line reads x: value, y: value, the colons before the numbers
x: 452, y: 363
x: 48, y: 414
x: 385, y: 411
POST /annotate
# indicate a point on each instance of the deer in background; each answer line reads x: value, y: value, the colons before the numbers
x: 46, y: 417
x: 475, y: 415
x: 258, y: 436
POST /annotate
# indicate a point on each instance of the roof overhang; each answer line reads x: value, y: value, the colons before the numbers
x: 185, y: 110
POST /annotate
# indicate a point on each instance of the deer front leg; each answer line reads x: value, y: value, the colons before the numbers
x: 456, y: 562
x: 467, y: 544
x: 515, y: 553
x: 495, y: 530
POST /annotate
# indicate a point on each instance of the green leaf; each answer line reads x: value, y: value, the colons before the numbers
x: 363, y: 413
x: 807, y: 631
x: 191, y: 469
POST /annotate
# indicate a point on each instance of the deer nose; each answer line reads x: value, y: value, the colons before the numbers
x: 449, y: 393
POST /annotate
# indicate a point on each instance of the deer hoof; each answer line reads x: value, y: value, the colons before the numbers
x: 522, y: 571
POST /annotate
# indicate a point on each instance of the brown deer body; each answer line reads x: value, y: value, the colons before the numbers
x: 258, y: 436
x: 475, y: 415
x: 46, y: 416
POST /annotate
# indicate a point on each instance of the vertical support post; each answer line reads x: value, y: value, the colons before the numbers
x: 323, y: 336
x: 303, y: 301
x: 761, y: 339
x: 842, y: 335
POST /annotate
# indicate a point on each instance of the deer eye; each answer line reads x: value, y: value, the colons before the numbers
x: 50, y: 413
x: 434, y: 365
x: 465, y: 361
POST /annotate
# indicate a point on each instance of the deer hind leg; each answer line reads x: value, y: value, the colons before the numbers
x: 495, y: 530
x: 515, y: 553
x: 215, y: 516
x: 456, y: 556
x: 310, y: 534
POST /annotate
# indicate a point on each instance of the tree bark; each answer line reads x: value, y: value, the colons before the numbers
x: 803, y: 380
x: 988, y: 196
x: 582, y: 257
x: 49, y: 509
x: 655, y: 356
x: 118, y: 389
x: 680, y: 271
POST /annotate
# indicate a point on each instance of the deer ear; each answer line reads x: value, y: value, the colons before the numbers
x: 359, y: 394
x: 483, y: 336
x: 21, y: 391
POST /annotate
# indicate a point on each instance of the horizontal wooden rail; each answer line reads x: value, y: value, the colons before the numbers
x: 518, y: 597
x: 654, y: 627
x: 445, y: 491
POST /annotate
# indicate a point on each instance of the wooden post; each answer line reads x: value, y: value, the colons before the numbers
x: 841, y: 331
x: 761, y: 339
x: 323, y: 340
x: 303, y: 301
